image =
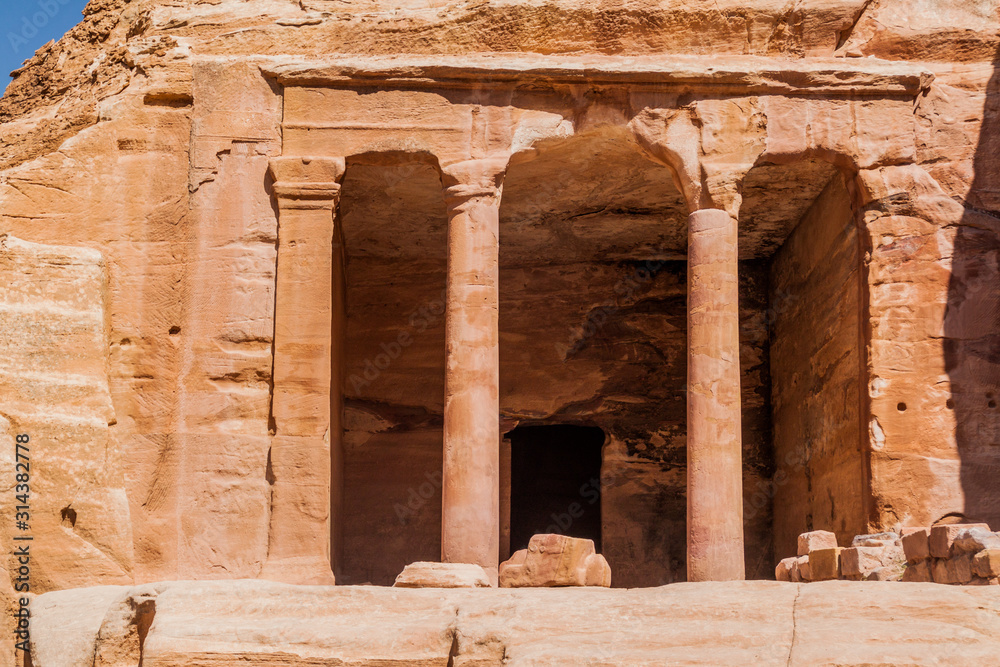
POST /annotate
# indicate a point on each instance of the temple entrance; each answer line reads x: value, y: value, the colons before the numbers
x: 555, y: 482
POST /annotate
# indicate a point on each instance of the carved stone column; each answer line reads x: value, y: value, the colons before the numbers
x: 301, y: 468
x: 714, y: 444
x: 470, y: 522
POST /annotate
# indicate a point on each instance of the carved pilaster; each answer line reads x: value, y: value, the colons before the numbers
x: 304, y: 401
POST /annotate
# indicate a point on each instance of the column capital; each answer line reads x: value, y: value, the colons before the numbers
x: 307, y: 182
x: 473, y: 178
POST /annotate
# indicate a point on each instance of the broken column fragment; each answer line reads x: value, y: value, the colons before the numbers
x: 556, y: 560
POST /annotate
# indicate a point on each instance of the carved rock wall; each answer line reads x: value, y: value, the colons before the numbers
x: 70, y: 494
x: 816, y: 355
x: 144, y: 136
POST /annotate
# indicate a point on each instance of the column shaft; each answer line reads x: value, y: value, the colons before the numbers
x: 714, y: 443
x: 470, y: 525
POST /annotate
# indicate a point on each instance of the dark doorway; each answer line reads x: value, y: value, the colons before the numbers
x: 555, y: 482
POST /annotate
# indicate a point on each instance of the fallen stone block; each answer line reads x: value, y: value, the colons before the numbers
x: 974, y: 540
x: 817, y: 539
x: 442, y: 575
x: 961, y: 568
x: 783, y: 570
x: 824, y: 564
x: 986, y: 564
x: 957, y: 570
x: 939, y: 571
x: 858, y: 563
x: 916, y: 545
x: 795, y: 576
x: 918, y: 572
x: 802, y: 565
x: 876, y: 540
x: 556, y: 560
x: 943, y: 537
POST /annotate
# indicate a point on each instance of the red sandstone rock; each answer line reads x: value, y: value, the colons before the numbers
x: 986, y: 564
x: 802, y: 568
x: 55, y: 388
x: 954, y: 570
x: 943, y: 537
x: 916, y: 545
x: 974, y: 540
x: 555, y: 560
x: 442, y: 575
x: 860, y: 562
x: 783, y: 570
x: 824, y: 564
x: 918, y: 572
x: 817, y: 539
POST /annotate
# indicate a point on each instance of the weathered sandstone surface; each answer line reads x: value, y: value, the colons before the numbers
x: 752, y: 623
x: 442, y: 575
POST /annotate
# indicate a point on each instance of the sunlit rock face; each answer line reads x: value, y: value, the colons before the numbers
x: 202, y: 405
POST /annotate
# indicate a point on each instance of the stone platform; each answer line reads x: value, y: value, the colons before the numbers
x: 252, y: 622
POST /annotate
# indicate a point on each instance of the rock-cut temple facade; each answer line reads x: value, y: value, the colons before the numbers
x: 310, y: 291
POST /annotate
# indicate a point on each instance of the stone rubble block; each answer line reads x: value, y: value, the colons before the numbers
x: 796, y: 574
x: 957, y: 570
x: 916, y: 545
x: 919, y: 572
x: 974, y: 540
x: 824, y: 564
x: 876, y: 540
x: 961, y: 566
x: 817, y: 539
x: 783, y: 571
x: 939, y: 571
x: 943, y: 537
x: 802, y: 567
x: 986, y: 564
x: 555, y: 560
x: 858, y: 563
x: 442, y: 575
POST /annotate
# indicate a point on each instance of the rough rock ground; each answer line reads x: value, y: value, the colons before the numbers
x: 753, y: 623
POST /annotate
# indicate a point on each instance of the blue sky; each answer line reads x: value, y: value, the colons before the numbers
x: 27, y: 24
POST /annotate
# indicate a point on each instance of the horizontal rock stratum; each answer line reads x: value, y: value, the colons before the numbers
x: 248, y: 623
